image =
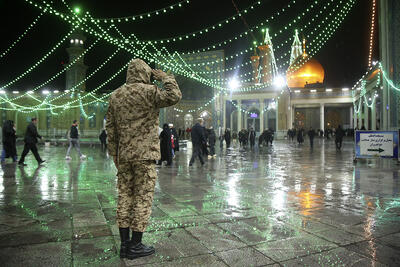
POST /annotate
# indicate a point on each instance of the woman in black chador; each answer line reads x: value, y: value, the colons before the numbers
x: 9, y: 142
x: 165, y: 145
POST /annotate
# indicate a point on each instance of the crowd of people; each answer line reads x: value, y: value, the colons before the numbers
x: 338, y: 133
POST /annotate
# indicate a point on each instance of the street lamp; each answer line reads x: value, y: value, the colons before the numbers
x: 233, y: 84
x: 279, y: 82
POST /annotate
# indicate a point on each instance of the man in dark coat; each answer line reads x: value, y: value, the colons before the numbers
x: 204, y: 148
x: 240, y: 135
x: 300, y: 134
x: 211, y: 142
x: 311, y: 135
x: 227, y: 138
x: 339, y: 137
x: 221, y: 140
x: 103, y: 139
x: 252, y: 136
x: 165, y: 145
x: 198, y: 140
x: 9, y: 142
x: 246, y: 137
x: 31, y: 137
x: 293, y: 133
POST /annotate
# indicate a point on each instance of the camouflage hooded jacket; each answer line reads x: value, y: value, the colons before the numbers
x: 132, y: 116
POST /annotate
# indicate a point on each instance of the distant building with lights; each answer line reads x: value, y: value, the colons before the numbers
x: 302, y: 101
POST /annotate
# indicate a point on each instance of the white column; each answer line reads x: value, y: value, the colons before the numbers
x: 355, y: 124
x: 366, y: 114
x: 276, y: 115
x: 261, y: 114
x: 373, y: 117
x: 224, y: 112
x: 291, y: 117
x: 355, y: 115
x: 385, y: 57
x: 322, y: 116
x: 351, y: 117
x: 239, y: 115
x: 360, y: 115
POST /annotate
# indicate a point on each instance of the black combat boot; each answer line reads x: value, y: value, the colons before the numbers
x: 124, y: 235
x: 136, y: 249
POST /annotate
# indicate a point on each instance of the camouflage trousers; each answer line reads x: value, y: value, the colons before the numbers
x: 136, y: 182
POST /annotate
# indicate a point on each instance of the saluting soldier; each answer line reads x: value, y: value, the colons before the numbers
x: 132, y: 127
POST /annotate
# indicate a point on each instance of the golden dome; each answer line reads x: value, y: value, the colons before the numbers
x: 311, y: 72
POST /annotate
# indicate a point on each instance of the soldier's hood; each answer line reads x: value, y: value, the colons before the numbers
x: 138, y: 72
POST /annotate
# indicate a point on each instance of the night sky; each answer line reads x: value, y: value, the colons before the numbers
x: 344, y: 56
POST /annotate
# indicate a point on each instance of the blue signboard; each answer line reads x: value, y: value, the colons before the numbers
x: 372, y: 144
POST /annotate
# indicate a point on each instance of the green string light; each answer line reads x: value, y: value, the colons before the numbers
x: 40, y: 61
x: 199, y: 33
x: 72, y: 63
x: 30, y: 27
x: 143, y: 15
x: 175, y: 67
x: 245, y: 33
x: 389, y: 81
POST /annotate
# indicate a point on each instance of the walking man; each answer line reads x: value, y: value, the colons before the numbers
x: 252, y: 137
x: 103, y: 140
x: 227, y: 136
x: 339, y: 137
x: 198, y: 140
x: 132, y: 127
x: 211, y: 142
x: 74, y: 140
x: 31, y: 136
x: 311, y: 135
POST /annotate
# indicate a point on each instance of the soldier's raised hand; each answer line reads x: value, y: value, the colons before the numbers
x: 158, y: 75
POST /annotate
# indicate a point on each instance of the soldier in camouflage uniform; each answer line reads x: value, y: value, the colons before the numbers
x: 132, y: 127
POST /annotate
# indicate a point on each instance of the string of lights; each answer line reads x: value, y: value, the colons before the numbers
x: 142, y: 16
x: 199, y: 33
x: 250, y: 49
x: 310, y: 23
x: 245, y: 33
x: 41, y: 60
x: 371, y: 36
x: 67, y: 67
x: 30, y: 27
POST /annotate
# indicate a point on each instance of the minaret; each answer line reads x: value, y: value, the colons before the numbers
x: 77, y: 72
x: 268, y: 63
x: 296, y: 48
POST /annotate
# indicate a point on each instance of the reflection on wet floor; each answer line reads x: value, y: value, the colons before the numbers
x: 284, y: 204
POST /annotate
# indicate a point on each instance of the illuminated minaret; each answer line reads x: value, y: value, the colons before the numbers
x: 76, y: 72
x: 268, y: 63
x: 296, y: 48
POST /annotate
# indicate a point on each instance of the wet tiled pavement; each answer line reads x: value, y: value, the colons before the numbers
x: 282, y: 206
